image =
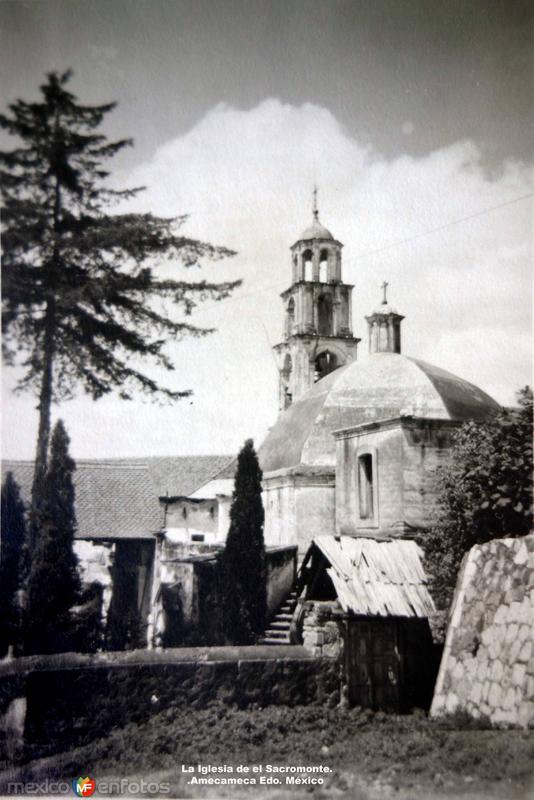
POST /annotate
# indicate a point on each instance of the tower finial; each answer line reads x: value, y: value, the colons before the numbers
x: 384, y: 289
x: 315, y: 209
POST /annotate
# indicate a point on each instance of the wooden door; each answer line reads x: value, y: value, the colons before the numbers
x: 373, y: 663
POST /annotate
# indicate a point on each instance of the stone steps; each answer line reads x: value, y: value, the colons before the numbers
x: 279, y: 626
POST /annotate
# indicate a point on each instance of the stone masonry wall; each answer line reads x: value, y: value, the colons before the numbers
x: 487, y: 669
x: 321, y: 633
x: 70, y: 699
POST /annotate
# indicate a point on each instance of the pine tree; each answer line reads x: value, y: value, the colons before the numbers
x: 53, y: 584
x: 243, y: 569
x: 80, y: 297
x: 11, y: 545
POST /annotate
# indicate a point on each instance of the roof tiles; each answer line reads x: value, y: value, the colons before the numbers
x: 119, y: 498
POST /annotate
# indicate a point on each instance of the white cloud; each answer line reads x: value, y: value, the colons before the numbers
x: 245, y: 176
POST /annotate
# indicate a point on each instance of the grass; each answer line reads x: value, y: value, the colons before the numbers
x: 400, y: 751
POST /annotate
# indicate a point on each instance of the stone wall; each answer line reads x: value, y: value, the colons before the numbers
x: 71, y: 699
x: 487, y: 668
x: 320, y: 626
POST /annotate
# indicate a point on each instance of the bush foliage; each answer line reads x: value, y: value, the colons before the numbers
x: 485, y: 492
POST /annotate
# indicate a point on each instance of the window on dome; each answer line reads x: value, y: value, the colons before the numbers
x: 324, y: 315
x: 365, y: 485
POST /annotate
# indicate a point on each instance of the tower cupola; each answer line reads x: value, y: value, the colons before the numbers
x: 384, y: 327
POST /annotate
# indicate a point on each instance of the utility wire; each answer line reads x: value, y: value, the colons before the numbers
x: 445, y: 226
x: 366, y: 253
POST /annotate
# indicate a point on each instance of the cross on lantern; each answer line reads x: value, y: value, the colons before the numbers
x: 384, y: 288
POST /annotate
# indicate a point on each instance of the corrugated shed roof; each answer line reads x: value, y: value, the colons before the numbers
x: 377, y: 578
x: 118, y: 498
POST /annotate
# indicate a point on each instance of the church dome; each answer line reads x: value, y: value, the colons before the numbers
x: 383, y: 386
x: 315, y: 231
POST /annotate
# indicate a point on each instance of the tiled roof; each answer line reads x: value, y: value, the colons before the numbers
x: 377, y: 578
x: 118, y: 498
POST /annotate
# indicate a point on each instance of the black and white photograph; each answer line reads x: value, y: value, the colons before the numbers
x: 267, y: 411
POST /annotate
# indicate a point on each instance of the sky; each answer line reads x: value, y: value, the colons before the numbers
x: 414, y: 120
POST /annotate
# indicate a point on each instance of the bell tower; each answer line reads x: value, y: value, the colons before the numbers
x: 318, y: 314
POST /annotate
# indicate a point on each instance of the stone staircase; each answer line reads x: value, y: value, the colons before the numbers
x: 278, y: 629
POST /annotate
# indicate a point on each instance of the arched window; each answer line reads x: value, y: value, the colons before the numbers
x: 307, y: 261
x: 324, y: 363
x: 324, y: 315
x: 323, y: 266
x: 290, y: 320
x: 365, y: 486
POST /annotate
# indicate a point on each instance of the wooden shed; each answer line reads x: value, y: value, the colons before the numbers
x: 379, y: 598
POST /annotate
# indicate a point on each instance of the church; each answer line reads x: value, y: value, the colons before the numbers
x: 353, y: 454
x: 355, y: 448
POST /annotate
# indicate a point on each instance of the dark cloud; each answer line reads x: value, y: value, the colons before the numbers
x: 453, y: 69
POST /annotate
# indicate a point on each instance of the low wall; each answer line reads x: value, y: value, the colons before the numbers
x: 281, y: 565
x: 487, y: 669
x: 71, y: 699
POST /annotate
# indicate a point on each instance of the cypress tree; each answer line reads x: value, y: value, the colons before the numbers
x: 243, y: 568
x: 11, y: 546
x: 53, y: 584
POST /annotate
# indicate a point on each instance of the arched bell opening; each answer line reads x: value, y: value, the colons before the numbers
x: 307, y: 265
x: 324, y: 315
x: 325, y: 363
x: 290, y: 317
x: 323, y: 266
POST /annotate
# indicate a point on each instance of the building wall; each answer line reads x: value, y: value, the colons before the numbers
x: 189, y: 520
x: 185, y: 598
x: 405, y: 456
x: 299, y: 505
x: 487, y: 669
x: 281, y: 574
x: 426, y: 447
x: 95, y: 561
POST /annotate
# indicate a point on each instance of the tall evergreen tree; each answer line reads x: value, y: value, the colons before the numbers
x: 243, y: 569
x: 11, y: 545
x: 53, y: 584
x: 80, y: 297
